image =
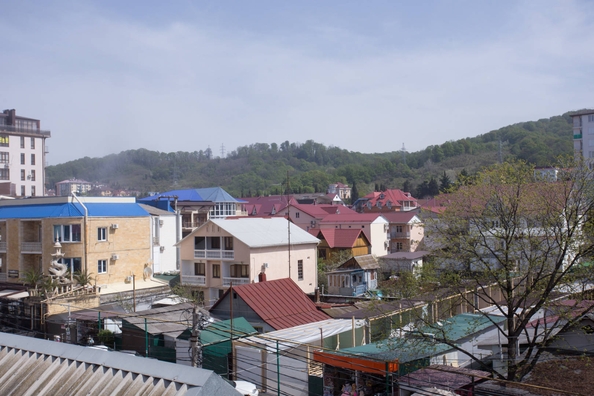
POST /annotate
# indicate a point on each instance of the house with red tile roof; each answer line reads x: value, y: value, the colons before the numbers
x: 333, y: 241
x: 271, y: 305
x: 309, y: 216
x: 265, y: 206
x: 374, y: 226
x: 342, y: 190
x: 391, y: 200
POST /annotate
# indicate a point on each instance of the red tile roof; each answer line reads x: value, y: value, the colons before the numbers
x: 399, y: 217
x: 395, y: 196
x: 264, y: 205
x: 280, y: 303
x: 340, y: 237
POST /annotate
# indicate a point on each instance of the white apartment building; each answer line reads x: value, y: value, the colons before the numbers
x: 22, y: 155
x: 583, y: 133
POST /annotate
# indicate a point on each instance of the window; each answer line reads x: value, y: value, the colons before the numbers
x: 399, y: 228
x: 32, y: 175
x: 216, y: 270
x: 101, y: 266
x: 228, y: 241
x: 199, y: 269
x: 22, y: 191
x: 32, y: 159
x: 299, y: 269
x: 399, y: 246
x: 4, y: 158
x: 213, y: 243
x: 199, y: 243
x: 239, y: 271
x: 32, y: 191
x: 4, y: 174
x: 591, y: 118
x: 33, y: 143
x: 23, y: 175
x: 102, y: 234
x: 297, y: 215
x: 22, y: 158
x: 67, y: 233
x: 322, y: 253
x: 72, y: 263
x: 22, y: 142
x: 3, y: 140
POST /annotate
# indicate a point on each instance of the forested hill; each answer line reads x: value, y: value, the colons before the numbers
x: 261, y: 168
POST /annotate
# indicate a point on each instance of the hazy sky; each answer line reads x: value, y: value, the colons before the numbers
x: 368, y: 76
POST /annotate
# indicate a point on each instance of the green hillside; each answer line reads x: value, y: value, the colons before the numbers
x: 262, y: 168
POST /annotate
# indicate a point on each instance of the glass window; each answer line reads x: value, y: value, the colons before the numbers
x: 22, y: 158
x: 32, y: 175
x: 22, y: 142
x: 23, y: 175
x: 300, y: 269
x: 73, y: 264
x: 102, y: 234
x: 214, y: 243
x: 199, y: 269
x: 33, y: 191
x: 101, y: 266
x: 33, y: 143
x: 239, y: 271
x: 216, y: 270
x: 199, y: 243
x: 22, y: 191
x: 228, y: 243
x: 67, y: 233
x: 32, y: 159
x: 3, y: 140
x: 4, y: 174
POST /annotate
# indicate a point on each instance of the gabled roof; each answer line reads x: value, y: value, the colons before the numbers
x: 262, y: 232
x: 265, y: 206
x: 340, y: 237
x: 401, y: 217
x: 353, y: 217
x: 165, y: 320
x: 320, y: 211
x: 405, y: 255
x: 280, y: 303
x: 42, y: 367
x: 366, y: 261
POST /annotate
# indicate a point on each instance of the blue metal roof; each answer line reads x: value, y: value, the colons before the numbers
x: 210, y: 194
x: 72, y: 210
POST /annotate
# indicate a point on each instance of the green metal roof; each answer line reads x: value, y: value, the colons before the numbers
x: 221, y: 331
x: 460, y: 326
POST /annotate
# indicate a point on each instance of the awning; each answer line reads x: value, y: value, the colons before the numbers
x: 357, y: 363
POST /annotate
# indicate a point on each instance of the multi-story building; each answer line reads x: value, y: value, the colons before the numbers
x: 67, y: 187
x: 583, y: 134
x: 108, y: 237
x: 22, y: 155
x: 246, y: 250
x: 392, y: 200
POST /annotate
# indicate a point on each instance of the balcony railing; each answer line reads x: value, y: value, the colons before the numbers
x: 577, y: 136
x: 2, y: 246
x: 12, y: 128
x: 195, y: 280
x: 394, y: 235
x: 215, y: 254
x: 31, y: 247
x: 236, y: 281
x: 192, y: 224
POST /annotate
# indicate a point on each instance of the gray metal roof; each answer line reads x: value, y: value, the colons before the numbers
x: 30, y: 366
x: 262, y: 232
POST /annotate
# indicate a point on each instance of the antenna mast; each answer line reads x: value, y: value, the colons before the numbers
x: 289, y: 219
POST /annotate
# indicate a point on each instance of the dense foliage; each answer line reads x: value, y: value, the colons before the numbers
x: 262, y: 168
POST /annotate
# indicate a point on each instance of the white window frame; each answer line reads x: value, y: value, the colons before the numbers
x: 101, y: 266
x: 102, y: 234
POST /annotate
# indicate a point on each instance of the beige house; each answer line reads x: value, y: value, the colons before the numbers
x: 247, y: 250
x: 108, y: 237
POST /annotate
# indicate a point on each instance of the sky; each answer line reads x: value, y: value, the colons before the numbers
x: 107, y: 76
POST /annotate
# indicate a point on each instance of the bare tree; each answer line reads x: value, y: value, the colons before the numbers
x: 514, y: 240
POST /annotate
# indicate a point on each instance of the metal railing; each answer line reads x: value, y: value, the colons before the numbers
x: 12, y: 128
x: 236, y: 281
x: 215, y: 254
x: 196, y: 280
x: 31, y: 247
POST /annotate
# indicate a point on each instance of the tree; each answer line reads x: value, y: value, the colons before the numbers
x: 444, y: 183
x: 514, y: 242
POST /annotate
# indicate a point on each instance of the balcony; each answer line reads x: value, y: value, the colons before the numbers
x: 3, y: 247
x: 193, y: 280
x: 236, y: 281
x: 31, y: 247
x: 395, y: 235
x: 577, y: 136
x: 215, y: 254
x: 191, y: 224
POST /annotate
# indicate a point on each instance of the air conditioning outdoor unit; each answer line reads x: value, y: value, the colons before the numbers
x: 115, y: 226
x: 313, y: 223
x: 386, y: 227
x: 160, y: 222
x: 115, y: 256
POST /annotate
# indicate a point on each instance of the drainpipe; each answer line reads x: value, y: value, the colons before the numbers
x: 85, y: 232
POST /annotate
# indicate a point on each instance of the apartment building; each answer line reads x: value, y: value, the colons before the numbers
x: 583, y: 134
x: 108, y: 237
x: 22, y: 155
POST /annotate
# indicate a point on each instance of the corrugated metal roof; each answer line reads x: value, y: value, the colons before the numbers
x: 171, y: 320
x: 212, y: 194
x: 38, y: 211
x: 366, y: 261
x: 291, y: 306
x: 263, y: 232
x: 30, y: 366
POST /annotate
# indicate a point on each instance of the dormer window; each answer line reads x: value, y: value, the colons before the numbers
x: 368, y: 205
x: 254, y: 212
x: 273, y: 211
x: 379, y: 204
x: 382, y: 196
x: 389, y: 204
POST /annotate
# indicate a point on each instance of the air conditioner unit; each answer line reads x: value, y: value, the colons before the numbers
x: 386, y: 227
x: 115, y: 256
x: 162, y: 248
x: 386, y: 244
x: 115, y: 226
x: 313, y: 223
x: 160, y: 222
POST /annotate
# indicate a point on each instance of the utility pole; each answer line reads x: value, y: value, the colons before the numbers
x: 199, y: 322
